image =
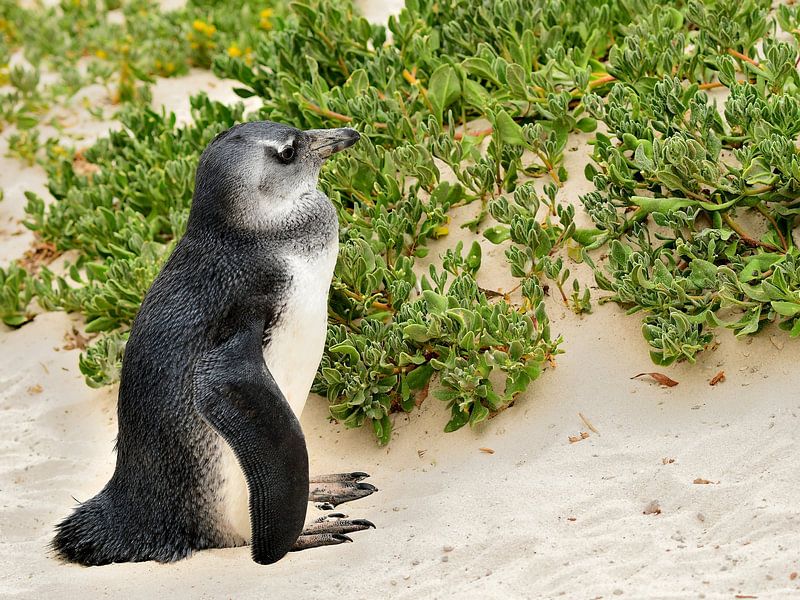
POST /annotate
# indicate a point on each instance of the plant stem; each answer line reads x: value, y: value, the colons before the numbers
x: 741, y: 56
x: 760, y: 208
x: 602, y: 80
x: 747, y: 239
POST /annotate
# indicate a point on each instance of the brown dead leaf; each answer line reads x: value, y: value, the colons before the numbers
x: 35, y: 389
x: 486, y: 450
x: 660, y: 378
x: 667, y: 461
x: 652, y: 508
x: 719, y: 377
x: 75, y: 341
x: 40, y: 253
x: 420, y: 396
x: 701, y: 481
x: 572, y: 519
x: 793, y: 575
x: 81, y: 166
x: 577, y: 438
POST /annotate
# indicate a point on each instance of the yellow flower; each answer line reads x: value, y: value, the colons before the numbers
x: 234, y: 51
x: 265, y: 22
x: 204, y: 28
x: 101, y: 54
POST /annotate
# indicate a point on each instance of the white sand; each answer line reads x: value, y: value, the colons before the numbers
x: 539, y: 518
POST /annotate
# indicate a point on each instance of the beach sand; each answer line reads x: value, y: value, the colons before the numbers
x: 617, y: 514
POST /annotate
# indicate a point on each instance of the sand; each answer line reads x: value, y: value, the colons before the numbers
x: 541, y: 517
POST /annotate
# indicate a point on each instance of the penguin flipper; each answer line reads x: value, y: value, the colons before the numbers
x: 235, y: 393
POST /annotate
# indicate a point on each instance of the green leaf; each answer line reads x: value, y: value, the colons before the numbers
x: 479, y: 413
x: 586, y: 124
x: 436, y: 302
x: 444, y: 88
x: 348, y: 350
x: 786, y: 309
x: 497, y: 234
x: 416, y: 332
x: 419, y: 377
x: 458, y: 420
x: 508, y: 131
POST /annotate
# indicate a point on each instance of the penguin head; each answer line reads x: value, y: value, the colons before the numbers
x: 253, y: 174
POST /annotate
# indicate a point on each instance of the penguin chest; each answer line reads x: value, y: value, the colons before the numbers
x: 297, y: 340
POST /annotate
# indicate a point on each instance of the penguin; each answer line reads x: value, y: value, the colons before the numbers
x: 219, y: 363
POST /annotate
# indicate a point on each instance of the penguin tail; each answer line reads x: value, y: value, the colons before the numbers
x: 86, y: 536
x: 106, y: 530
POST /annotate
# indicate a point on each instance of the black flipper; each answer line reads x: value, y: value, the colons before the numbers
x: 236, y: 394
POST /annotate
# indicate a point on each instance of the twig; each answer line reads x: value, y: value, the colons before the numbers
x: 588, y: 423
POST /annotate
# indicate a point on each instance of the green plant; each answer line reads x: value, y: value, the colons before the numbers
x: 16, y: 294
x: 699, y: 205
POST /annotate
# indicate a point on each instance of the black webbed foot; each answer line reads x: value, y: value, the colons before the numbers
x: 330, y: 530
x: 334, y: 489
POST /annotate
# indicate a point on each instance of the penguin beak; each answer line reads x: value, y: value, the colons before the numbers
x: 324, y: 142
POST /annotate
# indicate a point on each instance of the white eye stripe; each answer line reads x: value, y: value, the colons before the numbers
x: 277, y: 146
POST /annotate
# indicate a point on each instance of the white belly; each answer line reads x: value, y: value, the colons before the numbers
x: 298, y: 340
x: 292, y: 357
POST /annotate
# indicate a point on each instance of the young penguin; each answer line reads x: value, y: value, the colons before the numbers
x: 220, y: 360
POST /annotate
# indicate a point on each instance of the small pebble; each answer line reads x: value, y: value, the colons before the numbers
x: 617, y: 592
x: 445, y: 558
x: 447, y: 548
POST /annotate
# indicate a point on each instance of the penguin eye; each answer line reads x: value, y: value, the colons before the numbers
x: 287, y: 154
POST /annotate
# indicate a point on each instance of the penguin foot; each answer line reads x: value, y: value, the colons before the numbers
x: 335, y: 489
x: 353, y: 477
x: 329, y: 530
